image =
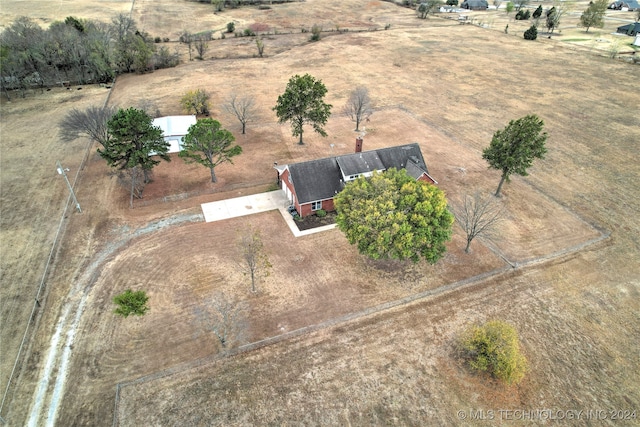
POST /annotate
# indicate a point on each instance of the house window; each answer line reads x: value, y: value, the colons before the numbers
x: 316, y: 206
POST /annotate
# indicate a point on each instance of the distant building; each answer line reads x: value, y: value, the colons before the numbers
x: 630, y: 29
x: 625, y: 4
x: 475, y: 4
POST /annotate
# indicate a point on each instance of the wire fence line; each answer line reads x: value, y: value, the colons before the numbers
x: 355, y: 316
x: 33, y: 317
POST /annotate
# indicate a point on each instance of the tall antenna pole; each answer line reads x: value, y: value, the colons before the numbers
x: 62, y: 171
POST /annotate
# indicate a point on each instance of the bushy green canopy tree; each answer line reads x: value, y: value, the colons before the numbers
x: 594, y: 15
x: 130, y: 302
x: 302, y: 102
x: 391, y: 215
x: 208, y: 144
x: 495, y: 348
x: 513, y: 149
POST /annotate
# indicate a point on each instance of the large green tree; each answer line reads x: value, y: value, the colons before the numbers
x: 513, y: 149
x: 594, y: 15
x: 134, y: 143
x: 391, y: 215
x: 302, y: 102
x: 208, y: 144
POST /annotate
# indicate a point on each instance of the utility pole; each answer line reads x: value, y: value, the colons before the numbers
x: 62, y: 171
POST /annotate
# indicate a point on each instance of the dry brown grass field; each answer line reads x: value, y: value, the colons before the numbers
x: 563, y: 268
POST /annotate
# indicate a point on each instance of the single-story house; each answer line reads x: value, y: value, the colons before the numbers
x: 174, y: 128
x: 311, y: 185
x: 625, y: 4
x: 630, y: 29
x: 475, y: 4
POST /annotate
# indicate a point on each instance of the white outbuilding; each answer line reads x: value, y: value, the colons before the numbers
x: 174, y: 128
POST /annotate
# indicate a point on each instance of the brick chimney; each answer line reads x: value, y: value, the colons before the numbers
x: 359, y: 144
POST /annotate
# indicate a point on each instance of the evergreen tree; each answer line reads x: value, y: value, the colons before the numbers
x: 208, y: 144
x: 513, y: 149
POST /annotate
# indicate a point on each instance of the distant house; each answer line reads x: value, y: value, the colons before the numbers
x: 630, y: 29
x: 311, y: 185
x: 625, y: 4
x: 174, y: 128
x: 475, y: 4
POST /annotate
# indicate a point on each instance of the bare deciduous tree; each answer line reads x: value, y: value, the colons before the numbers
x: 359, y: 106
x: 133, y: 179
x: 260, y: 46
x: 91, y: 123
x: 478, y: 216
x: 242, y: 107
x: 187, y: 38
x: 254, y: 262
x: 225, y: 317
x: 201, y: 46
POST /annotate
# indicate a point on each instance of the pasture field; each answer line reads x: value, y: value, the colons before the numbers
x: 563, y: 268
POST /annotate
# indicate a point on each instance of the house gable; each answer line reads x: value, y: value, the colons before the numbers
x: 353, y: 165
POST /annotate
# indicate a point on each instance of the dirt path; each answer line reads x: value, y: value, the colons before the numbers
x: 47, y: 397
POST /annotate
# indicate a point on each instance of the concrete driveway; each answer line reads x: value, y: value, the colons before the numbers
x: 245, y: 205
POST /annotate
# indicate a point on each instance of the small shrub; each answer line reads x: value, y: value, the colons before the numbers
x: 315, y: 33
x: 386, y: 27
x: 157, y: 40
x: 166, y: 39
x: 297, y: 217
x: 130, y: 302
x: 510, y: 7
x: 494, y: 348
x: 196, y: 102
x: 231, y: 27
x: 531, y: 33
x: 249, y: 32
x: 321, y: 213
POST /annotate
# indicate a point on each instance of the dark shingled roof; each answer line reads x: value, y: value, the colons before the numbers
x: 357, y: 163
x: 322, y: 179
x: 397, y: 157
x: 629, y: 29
x: 316, y: 179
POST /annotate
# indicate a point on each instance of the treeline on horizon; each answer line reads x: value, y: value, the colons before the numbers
x: 76, y: 51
